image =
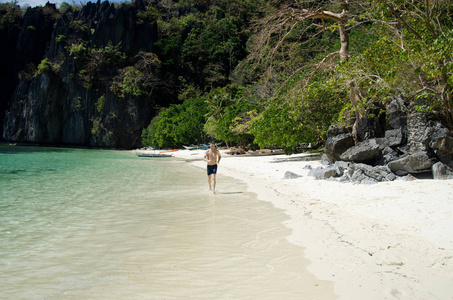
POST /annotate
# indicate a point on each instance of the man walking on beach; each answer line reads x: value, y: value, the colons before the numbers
x: 212, y: 157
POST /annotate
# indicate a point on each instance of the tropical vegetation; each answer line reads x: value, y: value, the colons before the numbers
x: 310, y: 64
x: 267, y: 73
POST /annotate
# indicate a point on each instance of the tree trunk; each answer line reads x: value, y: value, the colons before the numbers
x: 344, y: 35
x: 355, y: 98
x: 344, y: 39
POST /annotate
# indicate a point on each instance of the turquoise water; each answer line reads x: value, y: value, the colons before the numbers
x: 98, y: 224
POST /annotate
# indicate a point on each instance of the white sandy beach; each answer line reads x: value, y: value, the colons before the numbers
x: 390, y: 240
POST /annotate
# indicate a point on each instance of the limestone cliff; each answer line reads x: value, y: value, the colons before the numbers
x: 79, y: 57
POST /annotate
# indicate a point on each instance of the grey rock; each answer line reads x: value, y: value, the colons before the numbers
x: 418, y: 162
x: 442, y: 171
x: 417, y: 134
x: 408, y: 177
x: 358, y: 176
x: 441, y: 142
x: 388, y: 155
x: 396, y: 113
x: 338, y: 144
x: 394, y: 137
x: 291, y: 175
x: 369, y: 127
x: 378, y: 173
x: 342, y: 164
x: 363, y: 152
x: 327, y: 172
x: 325, y: 160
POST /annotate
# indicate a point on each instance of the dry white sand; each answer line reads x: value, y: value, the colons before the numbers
x: 390, y: 240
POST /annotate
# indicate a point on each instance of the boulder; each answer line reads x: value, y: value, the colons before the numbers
x: 396, y: 113
x: 379, y: 173
x: 363, y: 152
x: 325, y: 160
x: 327, y: 172
x: 394, y: 137
x: 417, y: 134
x: 370, y: 127
x: 338, y: 141
x: 388, y: 155
x: 442, y: 171
x: 342, y: 164
x: 366, y: 174
x: 408, y: 177
x: 291, y: 175
x: 419, y: 162
x: 359, y: 177
x: 441, y: 142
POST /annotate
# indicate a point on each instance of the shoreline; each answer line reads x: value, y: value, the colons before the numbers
x: 391, y: 240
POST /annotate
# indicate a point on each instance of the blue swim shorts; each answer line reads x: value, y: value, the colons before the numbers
x: 212, y: 169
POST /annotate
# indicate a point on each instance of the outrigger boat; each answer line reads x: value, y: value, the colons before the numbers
x: 197, y: 147
x: 160, y: 154
x: 167, y: 151
x: 200, y: 146
x: 154, y: 155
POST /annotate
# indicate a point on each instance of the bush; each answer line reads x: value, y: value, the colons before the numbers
x: 180, y: 124
x: 299, y: 115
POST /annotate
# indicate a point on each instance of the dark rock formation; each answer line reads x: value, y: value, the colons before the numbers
x: 23, y: 45
x: 441, y: 142
x: 326, y: 172
x: 338, y: 141
x: 368, y: 150
x: 394, y: 137
x: 54, y: 112
x: 417, y: 127
x: 370, y: 127
x: 396, y: 112
x: 362, y: 173
x: 418, y: 162
x: 441, y: 171
x: 55, y: 106
x: 8, y: 72
x: 388, y: 155
x: 411, y: 143
x: 334, y: 170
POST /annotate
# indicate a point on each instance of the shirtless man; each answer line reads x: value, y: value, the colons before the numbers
x: 212, y: 157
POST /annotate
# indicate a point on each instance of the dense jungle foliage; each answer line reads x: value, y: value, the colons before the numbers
x: 265, y: 73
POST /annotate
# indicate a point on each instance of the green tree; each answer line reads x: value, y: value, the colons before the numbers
x: 413, y: 55
x: 180, y: 124
x: 235, y: 123
x: 292, y: 18
x: 130, y: 81
x: 217, y: 101
x: 298, y: 115
x: 10, y: 16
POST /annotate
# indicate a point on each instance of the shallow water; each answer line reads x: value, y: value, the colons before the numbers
x: 95, y: 224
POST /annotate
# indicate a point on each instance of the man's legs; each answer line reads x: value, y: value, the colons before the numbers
x: 209, y: 182
x: 213, y: 183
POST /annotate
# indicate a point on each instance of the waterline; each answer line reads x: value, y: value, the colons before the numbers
x: 96, y: 224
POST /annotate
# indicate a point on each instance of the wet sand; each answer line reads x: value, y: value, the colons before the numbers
x: 389, y: 240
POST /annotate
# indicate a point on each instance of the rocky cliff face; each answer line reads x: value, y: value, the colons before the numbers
x: 410, y: 142
x: 69, y: 99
